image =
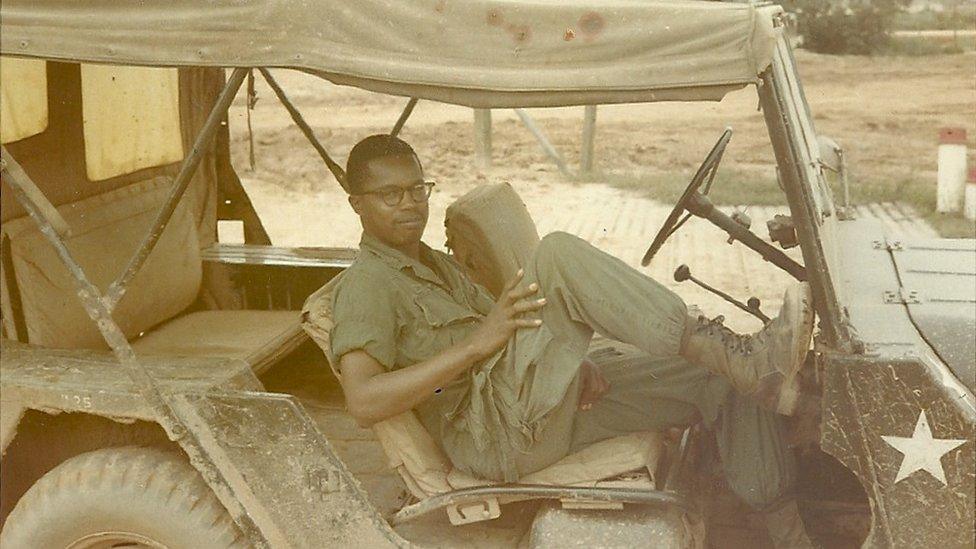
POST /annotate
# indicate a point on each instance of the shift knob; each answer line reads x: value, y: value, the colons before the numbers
x: 682, y: 273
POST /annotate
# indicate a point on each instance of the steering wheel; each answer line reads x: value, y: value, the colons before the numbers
x: 705, y: 174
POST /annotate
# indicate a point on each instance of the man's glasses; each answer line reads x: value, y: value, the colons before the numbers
x: 392, y: 196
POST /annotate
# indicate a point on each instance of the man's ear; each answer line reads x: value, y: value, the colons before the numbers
x: 354, y: 201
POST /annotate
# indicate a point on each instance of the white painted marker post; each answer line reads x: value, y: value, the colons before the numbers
x: 970, y: 209
x: 952, y: 169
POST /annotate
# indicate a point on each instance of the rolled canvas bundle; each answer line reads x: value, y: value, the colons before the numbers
x: 491, y: 233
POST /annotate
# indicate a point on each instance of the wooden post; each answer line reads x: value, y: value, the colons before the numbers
x: 547, y: 147
x: 589, y: 131
x: 482, y: 137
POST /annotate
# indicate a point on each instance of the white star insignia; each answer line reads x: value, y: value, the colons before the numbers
x: 921, y: 451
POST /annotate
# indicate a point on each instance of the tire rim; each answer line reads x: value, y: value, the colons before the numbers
x: 110, y: 540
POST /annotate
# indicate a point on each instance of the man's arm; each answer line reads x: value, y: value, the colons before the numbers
x: 373, y: 394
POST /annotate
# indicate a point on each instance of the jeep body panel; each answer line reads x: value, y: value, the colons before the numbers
x: 897, y: 382
x: 262, y: 455
x: 938, y: 287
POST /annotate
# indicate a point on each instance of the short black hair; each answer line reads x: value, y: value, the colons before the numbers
x: 370, y: 148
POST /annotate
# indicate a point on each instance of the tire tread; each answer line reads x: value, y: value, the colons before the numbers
x: 130, y: 471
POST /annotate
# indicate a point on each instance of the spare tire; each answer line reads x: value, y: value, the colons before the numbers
x: 129, y: 496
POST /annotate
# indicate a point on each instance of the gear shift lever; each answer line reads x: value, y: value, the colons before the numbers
x: 683, y: 273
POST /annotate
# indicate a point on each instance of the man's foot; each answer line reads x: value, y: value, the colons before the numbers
x: 764, y: 365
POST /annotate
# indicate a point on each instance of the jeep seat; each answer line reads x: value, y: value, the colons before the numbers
x: 410, y: 449
x: 106, y: 229
x: 256, y: 337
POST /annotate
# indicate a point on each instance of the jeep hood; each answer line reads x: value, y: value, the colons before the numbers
x: 938, y: 286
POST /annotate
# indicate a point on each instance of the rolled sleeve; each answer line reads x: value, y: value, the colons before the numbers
x: 365, y: 319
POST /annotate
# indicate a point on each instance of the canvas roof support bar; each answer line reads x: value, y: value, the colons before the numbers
x: 296, y: 116
x: 13, y: 170
x: 404, y: 116
x: 117, y: 290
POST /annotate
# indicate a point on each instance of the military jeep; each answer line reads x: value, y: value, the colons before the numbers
x: 145, y: 363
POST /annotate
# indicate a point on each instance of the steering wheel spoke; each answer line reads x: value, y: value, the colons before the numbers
x: 675, y: 220
x: 679, y: 224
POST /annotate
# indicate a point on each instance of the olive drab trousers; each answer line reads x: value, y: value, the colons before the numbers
x: 651, y: 386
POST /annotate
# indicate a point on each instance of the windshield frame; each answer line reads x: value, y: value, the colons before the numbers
x: 801, y: 174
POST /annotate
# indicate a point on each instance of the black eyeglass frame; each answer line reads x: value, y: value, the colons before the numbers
x: 393, y: 196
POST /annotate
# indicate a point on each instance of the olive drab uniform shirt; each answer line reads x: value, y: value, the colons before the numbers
x: 401, y: 312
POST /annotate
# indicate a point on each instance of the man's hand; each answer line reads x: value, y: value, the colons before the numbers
x: 505, y: 317
x: 594, y: 384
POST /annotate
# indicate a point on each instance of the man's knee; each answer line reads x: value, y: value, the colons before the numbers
x: 554, y: 247
x: 551, y: 255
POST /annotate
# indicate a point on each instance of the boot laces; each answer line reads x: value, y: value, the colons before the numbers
x: 735, y: 342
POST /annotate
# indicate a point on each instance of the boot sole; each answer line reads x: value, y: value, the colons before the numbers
x: 789, y: 392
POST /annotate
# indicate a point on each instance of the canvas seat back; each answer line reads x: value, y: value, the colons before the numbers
x: 106, y: 230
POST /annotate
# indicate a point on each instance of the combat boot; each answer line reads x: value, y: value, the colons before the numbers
x: 763, y: 365
x: 785, y: 527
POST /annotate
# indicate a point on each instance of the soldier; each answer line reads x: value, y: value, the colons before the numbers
x: 491, y: 379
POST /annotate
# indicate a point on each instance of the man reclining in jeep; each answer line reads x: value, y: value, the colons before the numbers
x: 484, y: 375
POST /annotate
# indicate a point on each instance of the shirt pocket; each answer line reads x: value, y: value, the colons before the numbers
x: 438, y: 322
x: 440, y: 310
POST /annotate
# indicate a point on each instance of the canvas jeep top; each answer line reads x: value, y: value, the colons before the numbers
x: 123, y: 315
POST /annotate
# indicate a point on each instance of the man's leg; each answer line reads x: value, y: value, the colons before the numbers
x: 648, y: 393
x: 589, y: 290
x: 760, y: 468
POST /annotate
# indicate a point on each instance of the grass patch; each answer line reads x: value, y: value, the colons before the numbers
x: 962, y: 17
x: 926, y: 45
x: 754, y: 188
x: 730, y: 187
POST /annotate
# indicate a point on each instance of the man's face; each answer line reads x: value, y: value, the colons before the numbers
x: 399, y: 226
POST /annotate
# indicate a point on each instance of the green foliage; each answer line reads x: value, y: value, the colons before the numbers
x: 957, y: 16
x: 854, y: 26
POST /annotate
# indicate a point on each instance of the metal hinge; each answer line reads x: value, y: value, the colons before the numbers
x: 890, y: 245
x: 902, y: 296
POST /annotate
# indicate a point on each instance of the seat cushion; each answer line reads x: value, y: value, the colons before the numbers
x: 257, y: 337
x: 598, y: 461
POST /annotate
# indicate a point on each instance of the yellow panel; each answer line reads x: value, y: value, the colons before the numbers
x: 131, y: 119
x: 23, y: 98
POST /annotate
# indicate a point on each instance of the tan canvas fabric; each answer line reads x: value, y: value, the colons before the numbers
x: 492, y: 222
x: 106, y: 231
x: 317, y: 319
x: 131, y: 119
x: 477, y: 52
x: 23, y: 98
x: 255, y: 337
